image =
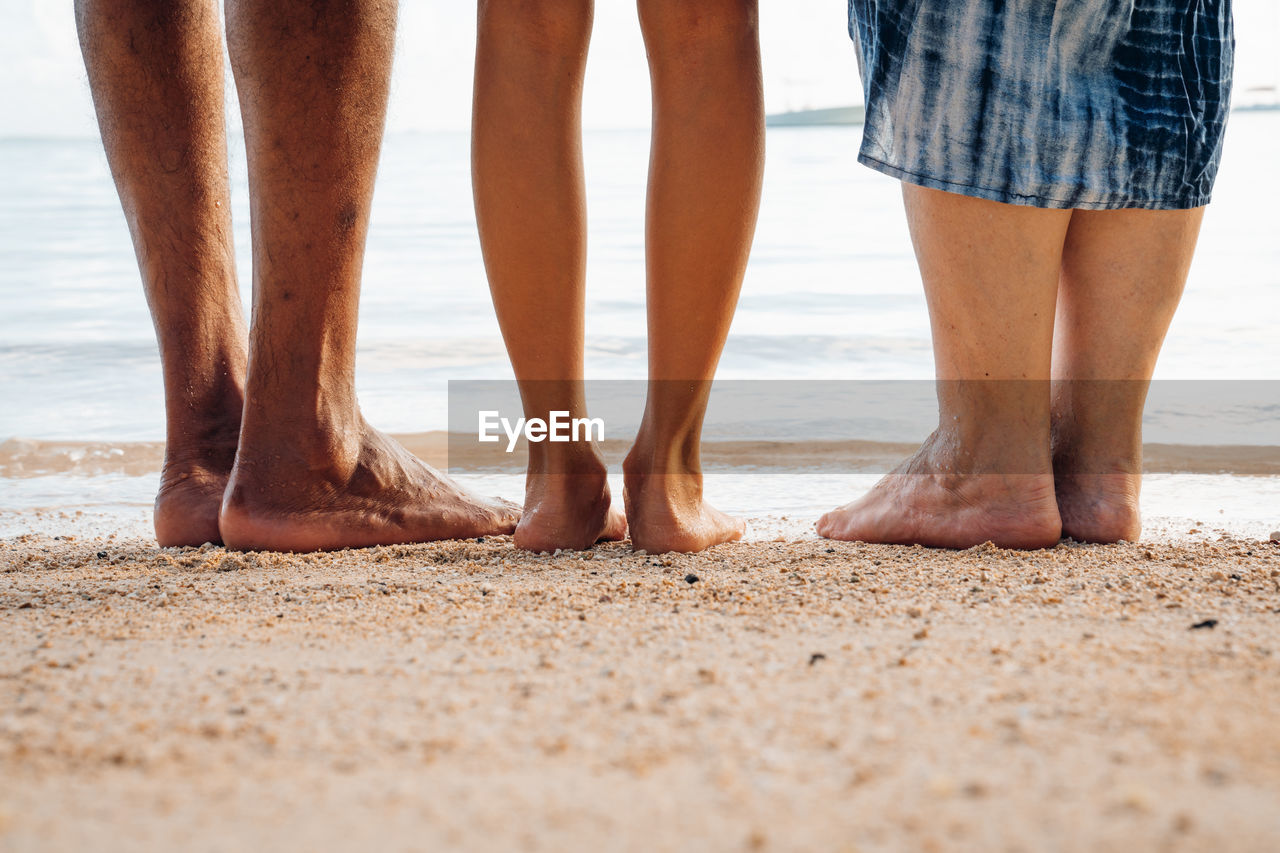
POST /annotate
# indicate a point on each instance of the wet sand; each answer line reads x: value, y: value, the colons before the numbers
x: 771, y: 696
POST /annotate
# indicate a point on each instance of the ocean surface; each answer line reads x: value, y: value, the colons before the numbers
x: 832, y: 293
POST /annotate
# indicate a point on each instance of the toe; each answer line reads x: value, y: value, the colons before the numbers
x: 833, y: 525
x: 615, y: 529
x: 823, y: 527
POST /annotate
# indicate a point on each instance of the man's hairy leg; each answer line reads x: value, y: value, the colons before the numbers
x: 155, y: 70
x: 310, y: 474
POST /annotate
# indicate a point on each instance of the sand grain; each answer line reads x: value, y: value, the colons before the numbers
x: 793, y: 696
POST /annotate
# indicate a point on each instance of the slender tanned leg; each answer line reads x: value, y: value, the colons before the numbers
x: 310, y: 473
x: 531, y: 208
x: 1123, y: 272
x: 155, y: 70
x: 705, y: 174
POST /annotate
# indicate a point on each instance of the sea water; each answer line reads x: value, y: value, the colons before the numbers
x: 831, y: 293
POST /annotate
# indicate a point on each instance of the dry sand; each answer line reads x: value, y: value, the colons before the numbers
x: 769, y: 696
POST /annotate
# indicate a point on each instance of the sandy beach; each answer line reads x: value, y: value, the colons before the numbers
x: 784, y: 693
x: 798, y: 695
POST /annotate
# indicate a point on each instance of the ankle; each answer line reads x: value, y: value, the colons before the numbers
x: 328, y: 446
x: 204, y: 432
x: 653, y: 455
x: 576, y: 459
x: 1101, y: 452
x: 661, y: 484
x: 1085, y: 466
x: 638, y: 469
x: 1000, y: 450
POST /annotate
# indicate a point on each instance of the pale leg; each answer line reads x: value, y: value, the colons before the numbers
x: 990, y: 274
x: 1123, y: 273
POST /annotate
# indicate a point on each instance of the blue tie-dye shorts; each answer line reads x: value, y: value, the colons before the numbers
x: 1094, y: 104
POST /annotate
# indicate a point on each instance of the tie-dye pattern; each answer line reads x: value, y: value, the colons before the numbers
x: 1092, y: 104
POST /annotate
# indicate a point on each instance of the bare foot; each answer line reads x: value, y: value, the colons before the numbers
x: 572, y: 511
x: 186, y: 510
x: 1098, y: 507
x: 366, y: 491
x: 1097, y: 461
x: 666, y: 512
x: 924, y: 502
x: 192, y: 482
